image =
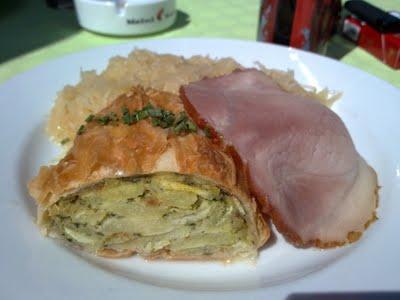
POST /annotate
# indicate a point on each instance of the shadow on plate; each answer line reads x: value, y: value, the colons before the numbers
x: 25, y: 174
x: 346, y: 296
x: 28, y: 25
x: 36, y: 151
x: 272, y: 238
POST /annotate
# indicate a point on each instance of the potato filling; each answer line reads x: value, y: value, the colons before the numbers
x: 148, y: 214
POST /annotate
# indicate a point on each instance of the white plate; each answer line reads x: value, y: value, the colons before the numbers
x: 36, y: 267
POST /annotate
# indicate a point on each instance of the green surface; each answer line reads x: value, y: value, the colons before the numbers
x: 32, y: 33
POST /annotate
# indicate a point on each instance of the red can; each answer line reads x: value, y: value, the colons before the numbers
x: 304, y: 24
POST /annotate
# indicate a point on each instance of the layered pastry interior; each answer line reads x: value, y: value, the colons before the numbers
x: 154, y: 215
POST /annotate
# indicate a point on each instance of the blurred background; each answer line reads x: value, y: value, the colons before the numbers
x: 365, y: 34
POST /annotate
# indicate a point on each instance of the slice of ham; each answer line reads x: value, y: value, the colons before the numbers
x: 301, y: 161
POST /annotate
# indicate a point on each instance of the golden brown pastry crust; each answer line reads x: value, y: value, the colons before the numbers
x: 119, y: 150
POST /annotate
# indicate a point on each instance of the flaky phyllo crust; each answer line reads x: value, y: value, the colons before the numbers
x: 119, y: 150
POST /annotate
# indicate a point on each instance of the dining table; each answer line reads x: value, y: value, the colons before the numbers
x: 33, y: 33
x: 43, y: 48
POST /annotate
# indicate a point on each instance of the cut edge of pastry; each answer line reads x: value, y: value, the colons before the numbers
x: 245, y: 244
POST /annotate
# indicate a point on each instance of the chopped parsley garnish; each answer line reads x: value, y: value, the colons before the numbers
x: 148, y: 107
x: 155, y: 122
x: 89, y: 118
x: 181, y: 117
x: 191, y: 126
x: 155, y: 112
x: 64, y: 141
x: 159, y: 117
x: 179, y: 127
x: 127, y: 118
x: 141, y: 115
x: 103, y: 120
x: 81, y: 130
x: 110, y: 117
x: 184, y: 125
x: 207, y: 132
x: 125, y: 110
x: 166, y: 120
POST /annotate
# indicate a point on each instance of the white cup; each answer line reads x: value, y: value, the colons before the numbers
x: 125, y: 17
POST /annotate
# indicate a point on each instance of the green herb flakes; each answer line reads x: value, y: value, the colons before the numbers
x: 106, y: 119
x: 191, y: 126
x: 81, y: 130
x: 181, y: 117
x: 155, y: 112
x: 141, y: 115
x: 159, y: 117
x: 127, y: 118
x: 168, y: 118
x: 103, y: 120
x: 207, y: 132
x: 155, y: 122
x: 64, y: 141
x: 89, y: 118
x: 125, y: 110
x: 184, y: 125
x: 148, y: 107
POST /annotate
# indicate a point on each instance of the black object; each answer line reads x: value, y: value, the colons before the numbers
x: 284, y: 22
x: 373, y: 16
x: 64, y: 4
x: 345, y: 296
